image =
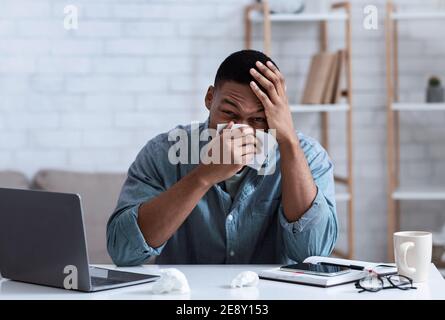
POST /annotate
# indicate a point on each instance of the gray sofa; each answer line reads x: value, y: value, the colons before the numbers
x: 99, y: 193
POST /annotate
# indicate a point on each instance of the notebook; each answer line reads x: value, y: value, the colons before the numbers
x: 324, y: 281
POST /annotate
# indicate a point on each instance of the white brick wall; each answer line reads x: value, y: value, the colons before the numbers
x: 89, y: 99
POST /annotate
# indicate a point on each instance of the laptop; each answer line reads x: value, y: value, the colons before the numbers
x: 42, y: 241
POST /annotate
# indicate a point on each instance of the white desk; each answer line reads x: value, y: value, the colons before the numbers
x: 213, y: 282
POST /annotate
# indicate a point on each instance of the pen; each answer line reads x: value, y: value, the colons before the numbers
x: 351, y: 266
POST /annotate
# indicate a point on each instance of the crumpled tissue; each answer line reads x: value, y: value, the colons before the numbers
x: 268, y: 144
x: 172, y: 280
x: 245, y: 279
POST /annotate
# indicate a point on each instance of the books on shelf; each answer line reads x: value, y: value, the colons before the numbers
x: 325, y: 281
x: 339, y: 77
x: 323, y: 83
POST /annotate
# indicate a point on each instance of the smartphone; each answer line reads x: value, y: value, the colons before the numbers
x: 316, y: 269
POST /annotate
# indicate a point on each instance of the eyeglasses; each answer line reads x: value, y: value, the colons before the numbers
x: 374, y: 282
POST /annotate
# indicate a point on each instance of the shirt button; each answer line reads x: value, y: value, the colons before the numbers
x: 232, y: 253
x: 230, y: 217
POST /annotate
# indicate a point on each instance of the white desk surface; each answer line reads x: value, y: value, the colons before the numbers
x: 208, y: 282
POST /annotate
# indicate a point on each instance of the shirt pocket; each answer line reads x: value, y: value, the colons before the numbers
x: 266, y: 207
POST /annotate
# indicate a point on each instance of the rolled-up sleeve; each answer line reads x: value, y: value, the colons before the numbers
x: 316, y: 232
x: 125, y: 242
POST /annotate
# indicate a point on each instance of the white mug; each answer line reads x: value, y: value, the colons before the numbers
x: 412, y: 251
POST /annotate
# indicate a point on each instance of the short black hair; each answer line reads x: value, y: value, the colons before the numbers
x: 236, y: 67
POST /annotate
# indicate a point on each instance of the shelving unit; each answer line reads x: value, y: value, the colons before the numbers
x: 258, y: 17
x: 395, y: 192
x: 260, y: 13
x: 397, y: 106
x: 417, y: 15
x: 304, y: 108
x: 416, y: 194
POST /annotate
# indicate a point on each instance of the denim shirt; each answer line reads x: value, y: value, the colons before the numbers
x: 251, y: 228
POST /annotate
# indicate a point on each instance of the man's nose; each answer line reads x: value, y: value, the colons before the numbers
x: 243, y: 121
x: 246, y: 122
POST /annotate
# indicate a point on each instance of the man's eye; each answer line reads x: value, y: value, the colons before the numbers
x: 229, y: 113
x: 259, y: 120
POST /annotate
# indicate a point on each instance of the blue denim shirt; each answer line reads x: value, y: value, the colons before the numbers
x: 250, y: 229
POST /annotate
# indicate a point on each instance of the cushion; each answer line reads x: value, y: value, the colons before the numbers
x: 99, y: 193
x: 13, y: 179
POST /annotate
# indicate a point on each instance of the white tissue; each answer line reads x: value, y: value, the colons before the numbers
x: 245, y: 279
x: 268, y: 143
x: 171, y: 280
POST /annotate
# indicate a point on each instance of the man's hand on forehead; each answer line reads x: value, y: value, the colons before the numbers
x: 273, y: 98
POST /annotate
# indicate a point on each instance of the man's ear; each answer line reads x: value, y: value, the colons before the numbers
x: 209, y: 97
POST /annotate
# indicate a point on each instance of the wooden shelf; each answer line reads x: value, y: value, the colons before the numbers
x: 302, y: 17
x: 393, y: 140
x: 341, y: 190
x: 418, y: 15
x: 405, y: 193
x: 342, y: 196
x: 421, y: 106
x: 296, y: 108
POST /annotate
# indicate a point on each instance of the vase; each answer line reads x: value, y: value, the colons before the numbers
x: 435, y: 94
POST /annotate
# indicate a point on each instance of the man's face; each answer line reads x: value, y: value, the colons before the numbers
x: 236, y: 102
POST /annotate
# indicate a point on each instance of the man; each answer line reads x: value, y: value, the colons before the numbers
x: 214, y: 213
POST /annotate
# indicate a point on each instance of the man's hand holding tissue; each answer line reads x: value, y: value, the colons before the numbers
x: 228, y: 153
x: 299, y: 189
